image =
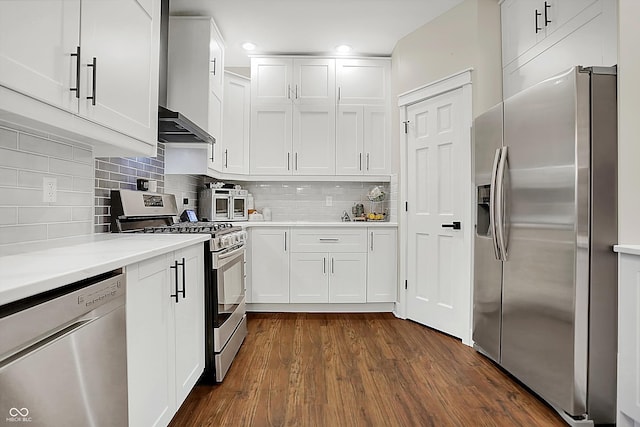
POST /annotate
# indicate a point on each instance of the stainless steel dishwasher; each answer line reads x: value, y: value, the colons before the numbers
x: 63, y: 356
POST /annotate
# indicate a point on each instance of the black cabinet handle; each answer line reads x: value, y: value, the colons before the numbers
x: 175, y: 267
x: 538, y: 29
x: 547, y: 21
x: 213, y: 147
x: 214, y: 66
x: 94, y: 65
x: 184, y: 278
x: 226, y: 159
x: 455, y: 225
x: 77, y: 88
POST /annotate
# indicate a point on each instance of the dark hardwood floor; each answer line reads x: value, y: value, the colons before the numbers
x: 299, y: 369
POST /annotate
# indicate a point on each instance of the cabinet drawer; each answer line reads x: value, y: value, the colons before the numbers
x: 328, y: 240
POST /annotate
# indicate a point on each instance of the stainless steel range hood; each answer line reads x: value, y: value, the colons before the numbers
x: 174, y: 127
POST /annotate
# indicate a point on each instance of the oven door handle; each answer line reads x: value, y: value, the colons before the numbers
x: 226, y: 258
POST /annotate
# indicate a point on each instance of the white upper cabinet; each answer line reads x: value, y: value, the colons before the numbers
x: 195, y: 88
x: 314, y: 81
x: 37, y: 41
x: 314, y: 135
x: 236, y: 114
x: 117, y: 57
x: 338, y: 110
x: 362, y: 140
x: 293, y: 116
x: 363, y: 81
x: 543, y: 38
x: 93, y: 59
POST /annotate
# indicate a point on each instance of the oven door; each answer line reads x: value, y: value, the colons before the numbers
x: 240, y: 212
x: 222, y: 207
x: 229, y: 274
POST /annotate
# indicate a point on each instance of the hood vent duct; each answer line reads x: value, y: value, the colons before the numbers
x: 173, y: 127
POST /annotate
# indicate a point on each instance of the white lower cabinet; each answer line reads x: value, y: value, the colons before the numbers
x: 269, y: 261
x: 322, y: 265
x: 165, y: 333
x: 628, y: 339
x: 328, y: 277
x: 382, y: 283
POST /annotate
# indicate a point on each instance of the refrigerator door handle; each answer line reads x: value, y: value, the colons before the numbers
x: 499, y: 205
x: 492, y: 204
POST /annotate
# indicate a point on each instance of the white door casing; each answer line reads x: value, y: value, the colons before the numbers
x: 437, y: 166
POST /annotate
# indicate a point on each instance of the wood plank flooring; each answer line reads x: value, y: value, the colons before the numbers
x: 301, y: 369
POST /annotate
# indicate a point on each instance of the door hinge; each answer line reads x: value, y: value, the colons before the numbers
x: 406, y: 126
x: 406, y: 284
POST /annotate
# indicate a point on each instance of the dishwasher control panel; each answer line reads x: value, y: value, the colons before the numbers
x: 106, y: 291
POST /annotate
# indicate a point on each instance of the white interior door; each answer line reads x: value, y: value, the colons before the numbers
x: 438, y: 183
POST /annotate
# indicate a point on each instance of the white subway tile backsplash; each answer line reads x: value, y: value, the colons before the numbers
x: 22, y: 233
x: 69, y: 229
x: 8, y: 177
x: 43, y: 146
x: 20, y: 160
x: 29, y: 179
x: 8, y: 216
x: 41, y: 215
x: 8, y: 138
x: 29, y: 158
x: 82, y: 213
x: 70, y: 167
x: 83, y: 155
x: 306, y: 201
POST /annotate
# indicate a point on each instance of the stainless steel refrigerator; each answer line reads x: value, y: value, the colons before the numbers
x: 545, y: 276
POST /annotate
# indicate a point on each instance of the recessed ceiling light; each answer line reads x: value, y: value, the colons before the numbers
x: 248, y: 46
x: 343, y: 48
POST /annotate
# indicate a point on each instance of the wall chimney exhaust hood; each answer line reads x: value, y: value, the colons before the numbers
x: 173, y: 127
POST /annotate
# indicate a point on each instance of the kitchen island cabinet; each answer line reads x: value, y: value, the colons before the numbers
x: 76, y: 73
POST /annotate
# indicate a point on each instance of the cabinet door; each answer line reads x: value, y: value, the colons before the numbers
x: 235, y: 139
x: 519, y: 33
x: 123, y: 38
x: 350, y: 140
x: 216, y: 60
x: 215, y: 129
x: 189, y: 319
x: 150, y: 356
x: 348, y: 277
x: 271, y: 140
x: 562, y: 11
x: 628, y: 340
x: 314, y: 81
x: 314, y: 140
x: 363, y: 81
x: 382, y: 280
x: 271, y: 81
x: 37, y: 39
x: 309, y: 277
x: 270, y: 265
x: 377, y: 135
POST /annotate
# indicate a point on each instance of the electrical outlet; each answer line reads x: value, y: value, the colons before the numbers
x: 328, y: 201
x: 185, y: 201
x: 49, y: 190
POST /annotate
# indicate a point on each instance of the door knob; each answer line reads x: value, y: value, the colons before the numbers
x: 455, y: 225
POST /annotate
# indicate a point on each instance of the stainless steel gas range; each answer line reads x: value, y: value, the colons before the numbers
x: 225, y: 310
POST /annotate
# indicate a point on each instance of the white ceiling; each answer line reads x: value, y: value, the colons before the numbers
x: 371, y: 27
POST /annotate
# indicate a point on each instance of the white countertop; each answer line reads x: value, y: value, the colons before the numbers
x: 627, y: 249
x: 30, y: 269
x: 365, y: 224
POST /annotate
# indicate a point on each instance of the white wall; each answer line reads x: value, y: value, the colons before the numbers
x: 628, y: 122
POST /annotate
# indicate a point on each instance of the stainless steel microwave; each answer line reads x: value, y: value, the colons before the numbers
x: 223, y: 204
